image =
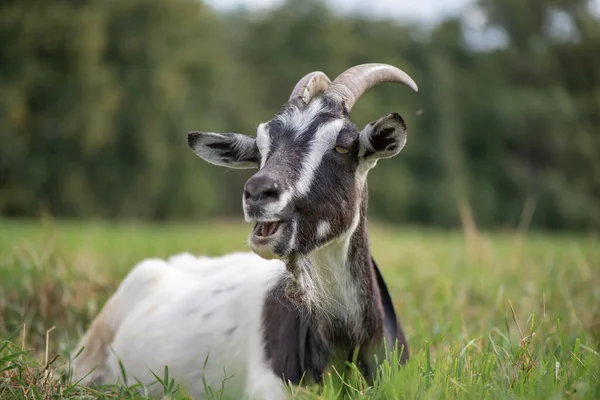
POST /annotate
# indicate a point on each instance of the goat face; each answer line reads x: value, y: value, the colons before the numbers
x: 312, y: 163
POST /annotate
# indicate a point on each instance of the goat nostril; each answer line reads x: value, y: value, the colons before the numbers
x: 271, y: 193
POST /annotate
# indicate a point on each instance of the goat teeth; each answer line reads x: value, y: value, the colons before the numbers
x: 266, y: 229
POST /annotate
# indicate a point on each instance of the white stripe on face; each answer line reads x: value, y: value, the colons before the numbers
x: 298, y: 120
x: 271, y: 210
x: 323, y: 141
x: 292, y: 243
x: 323, y: 229
x: 263, y: 142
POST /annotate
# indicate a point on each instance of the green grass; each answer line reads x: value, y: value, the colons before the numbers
x: 498, y: 316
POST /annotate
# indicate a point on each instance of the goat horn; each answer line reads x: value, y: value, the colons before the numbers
x: 310, y: 84
x: 352, y: 83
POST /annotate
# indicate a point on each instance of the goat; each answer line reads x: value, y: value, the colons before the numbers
x: 307, y: 296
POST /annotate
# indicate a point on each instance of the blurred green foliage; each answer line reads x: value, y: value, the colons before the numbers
x: 96, y: 98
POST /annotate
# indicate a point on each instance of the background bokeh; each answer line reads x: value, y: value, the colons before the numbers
x: 96, y: 98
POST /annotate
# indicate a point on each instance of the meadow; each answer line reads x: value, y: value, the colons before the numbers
x: 502, y: 315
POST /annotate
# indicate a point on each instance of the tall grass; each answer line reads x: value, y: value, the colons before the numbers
x: 504, y: 316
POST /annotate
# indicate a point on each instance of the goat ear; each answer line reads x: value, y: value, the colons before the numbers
x: 231, y: 150
x: 383, y: 138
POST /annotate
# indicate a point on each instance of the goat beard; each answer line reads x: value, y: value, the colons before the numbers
x: 301, y: 286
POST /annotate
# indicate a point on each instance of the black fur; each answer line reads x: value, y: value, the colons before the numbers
x: 297, y: 349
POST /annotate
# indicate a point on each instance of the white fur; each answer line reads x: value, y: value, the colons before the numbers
x: 323, y: 229
x: 180, y: 311
x: 300, y: 119
x: 263, y: 142
x: 333, y: 283
x: 293, y: 236
x: 324, y: 141
x: 271, y: 209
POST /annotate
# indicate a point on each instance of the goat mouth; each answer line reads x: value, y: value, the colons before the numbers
x: 266, y: 237
x: 264, y: 230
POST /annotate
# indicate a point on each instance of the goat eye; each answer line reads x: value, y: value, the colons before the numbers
x: 341, y: 150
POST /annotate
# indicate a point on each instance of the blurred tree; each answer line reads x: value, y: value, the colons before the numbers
x: 97, y: 96
x: 548, y: 109
x: 96, y: 99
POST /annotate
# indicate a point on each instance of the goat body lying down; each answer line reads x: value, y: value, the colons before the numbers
x: 308, y: 295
